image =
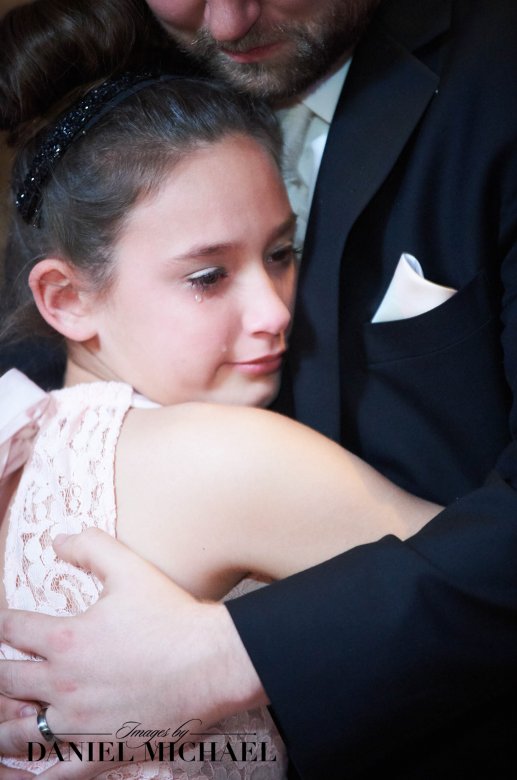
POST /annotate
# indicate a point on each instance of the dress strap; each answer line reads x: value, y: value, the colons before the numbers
x: 22, y: 403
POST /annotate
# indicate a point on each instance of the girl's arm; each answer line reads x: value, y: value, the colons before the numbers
x: 212, y: 493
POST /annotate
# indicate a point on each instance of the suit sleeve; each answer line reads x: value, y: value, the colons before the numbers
x: 369, y: 653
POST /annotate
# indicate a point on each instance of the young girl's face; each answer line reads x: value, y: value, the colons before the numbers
x: 204, y: 282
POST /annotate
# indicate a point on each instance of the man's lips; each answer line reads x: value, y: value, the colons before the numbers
x: 267, y: 364
x: 255, y: 54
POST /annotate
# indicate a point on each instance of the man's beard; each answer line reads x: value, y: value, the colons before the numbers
x: 313, y: 48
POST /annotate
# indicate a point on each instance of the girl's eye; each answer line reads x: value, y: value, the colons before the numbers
x: 285, y: 254
x: 207, y: 278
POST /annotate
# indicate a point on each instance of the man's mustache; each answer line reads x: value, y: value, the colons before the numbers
x: 252, y: 40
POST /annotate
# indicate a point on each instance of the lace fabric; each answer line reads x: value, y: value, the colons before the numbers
x: 67, y: 485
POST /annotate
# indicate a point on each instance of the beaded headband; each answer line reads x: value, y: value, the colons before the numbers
x: 76, y: 121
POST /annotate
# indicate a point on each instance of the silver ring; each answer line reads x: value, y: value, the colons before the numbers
x: 45, y: 730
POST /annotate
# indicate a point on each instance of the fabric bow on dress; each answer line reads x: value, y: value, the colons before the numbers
x: 22, y: 403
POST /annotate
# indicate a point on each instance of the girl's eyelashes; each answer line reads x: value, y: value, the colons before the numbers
x: 206, y: 278
x: 285, y: 254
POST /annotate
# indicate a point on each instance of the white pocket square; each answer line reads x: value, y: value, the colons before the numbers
x: 409, y: 294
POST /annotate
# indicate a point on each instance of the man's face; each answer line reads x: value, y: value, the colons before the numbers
x: 270, y: 48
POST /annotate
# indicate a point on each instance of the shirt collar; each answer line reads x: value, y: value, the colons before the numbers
x: 322, y: 100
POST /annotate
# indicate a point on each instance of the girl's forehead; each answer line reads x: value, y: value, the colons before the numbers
x: 213, y: 182
x: 221, y: 203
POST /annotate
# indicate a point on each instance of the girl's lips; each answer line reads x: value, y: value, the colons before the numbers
x: 268, y: 364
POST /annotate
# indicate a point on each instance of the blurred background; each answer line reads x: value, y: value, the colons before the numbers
x: 40, y: 362
x: 5, y: 5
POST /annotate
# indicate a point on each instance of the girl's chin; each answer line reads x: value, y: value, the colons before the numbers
x: 259, y: 395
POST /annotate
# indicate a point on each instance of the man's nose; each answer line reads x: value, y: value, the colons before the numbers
x: 230, y: 20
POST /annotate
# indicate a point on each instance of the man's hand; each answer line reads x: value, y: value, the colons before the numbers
x: 9, y: 710
x: 146, y: 652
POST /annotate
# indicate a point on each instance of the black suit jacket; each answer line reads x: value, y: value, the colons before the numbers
x: 402, y: 657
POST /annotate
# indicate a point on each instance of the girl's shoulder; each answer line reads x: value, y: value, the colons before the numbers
x: 210, y: 431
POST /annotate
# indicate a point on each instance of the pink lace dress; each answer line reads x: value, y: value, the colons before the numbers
x: 67, y: 440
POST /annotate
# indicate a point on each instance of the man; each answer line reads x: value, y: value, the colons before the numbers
x: 397, y: 658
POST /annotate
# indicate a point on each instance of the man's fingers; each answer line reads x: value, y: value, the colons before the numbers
x: 16, y: 734
x: 25, y: 680
x: 13, y: 708
x: 15, y: 737
x: 27, y: 631
x: 96, y: 551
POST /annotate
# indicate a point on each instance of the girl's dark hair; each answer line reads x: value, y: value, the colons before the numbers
x: 124, y: 157
x: 49, y: 47
x: 49, y: 50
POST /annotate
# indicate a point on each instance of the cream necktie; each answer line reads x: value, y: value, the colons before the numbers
x: 295, y: 123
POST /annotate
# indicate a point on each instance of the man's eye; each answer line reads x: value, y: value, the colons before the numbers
x: 207, y: 278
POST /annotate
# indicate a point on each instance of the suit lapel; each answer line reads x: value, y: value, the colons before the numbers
x: 385, y: 95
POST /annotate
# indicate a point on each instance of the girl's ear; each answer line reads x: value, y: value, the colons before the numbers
x: 63, y: 299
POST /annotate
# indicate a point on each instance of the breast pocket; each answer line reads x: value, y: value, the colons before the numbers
x: 432, y: 394
x: 447, y: 326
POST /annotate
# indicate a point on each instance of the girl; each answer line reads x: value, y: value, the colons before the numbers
x: 153, y: 234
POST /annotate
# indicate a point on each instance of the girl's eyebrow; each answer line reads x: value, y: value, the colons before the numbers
x: 208, y: 250
x: 203, y: 250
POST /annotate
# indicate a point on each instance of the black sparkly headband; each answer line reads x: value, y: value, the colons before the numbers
x: 76, y: 121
